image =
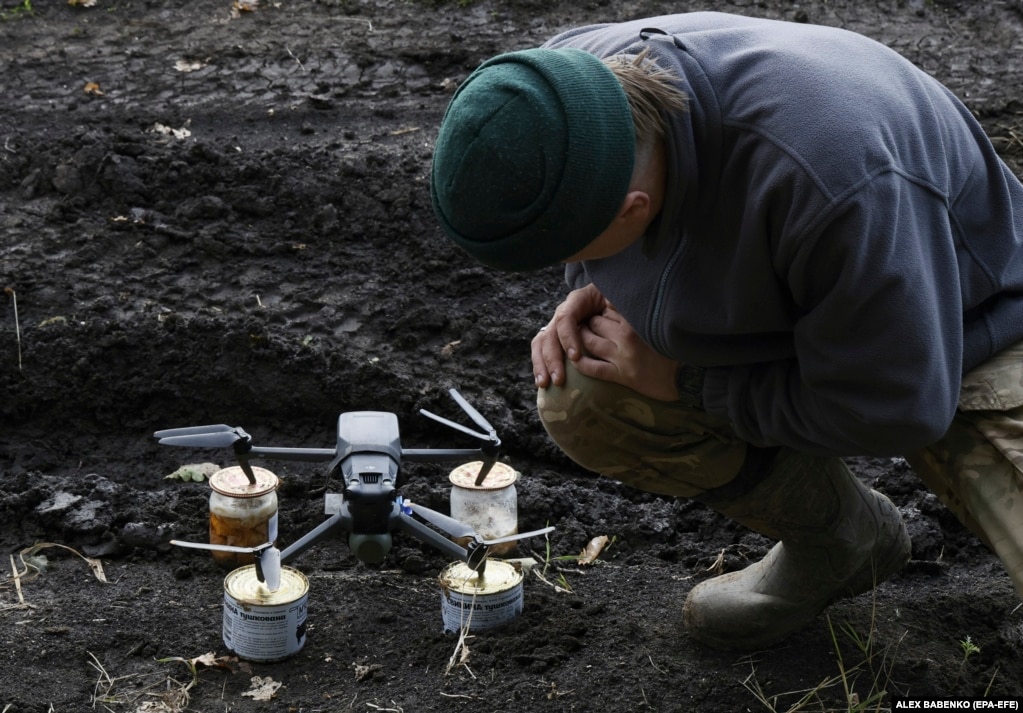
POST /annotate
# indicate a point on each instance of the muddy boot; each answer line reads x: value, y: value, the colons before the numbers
x: 838, y: 538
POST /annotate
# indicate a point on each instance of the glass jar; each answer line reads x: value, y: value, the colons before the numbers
x: 490, y: 508
x: 242, y: 514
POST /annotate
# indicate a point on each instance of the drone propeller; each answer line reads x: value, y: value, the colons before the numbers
x: 491, y: 433
x: 477, y: 417
x: 267, y: 559
x: 458, y: 529
x: 452, y: 424
x: 215, y: 436
x: 474, y: 415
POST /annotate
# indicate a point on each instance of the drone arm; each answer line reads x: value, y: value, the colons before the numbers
x: 487, y: 453
x: 431, y: 537
x: 320, y: 532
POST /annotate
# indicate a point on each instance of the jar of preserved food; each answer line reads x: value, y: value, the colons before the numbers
x: 490, y: 508
x: 242, y: 513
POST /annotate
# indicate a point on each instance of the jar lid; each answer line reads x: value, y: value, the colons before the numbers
x: 500, y: 476
x: 234, y: 483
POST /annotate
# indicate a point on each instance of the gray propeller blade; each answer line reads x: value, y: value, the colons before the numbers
x: 192, y: 430
x: 518, y: 536
x: 216, y: 439
x: 269, y: 561
x: 216, y: 548
x: 452, y: 424
x: 473, y: 413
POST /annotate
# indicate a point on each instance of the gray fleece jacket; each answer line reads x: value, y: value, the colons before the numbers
x: 839, y: 244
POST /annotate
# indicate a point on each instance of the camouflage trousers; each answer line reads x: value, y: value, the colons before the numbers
x: 672, y: 448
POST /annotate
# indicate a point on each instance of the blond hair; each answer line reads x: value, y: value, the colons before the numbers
x: 652, y: 92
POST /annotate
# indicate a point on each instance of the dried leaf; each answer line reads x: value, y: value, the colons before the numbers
x: 97, y: 569
x: 193, y: 472
x: 209, y: 659
x: 263, y: 689
x: 93, y: 88
x: 188, y: 65
x: 81, y: 3
x: 593, y: 549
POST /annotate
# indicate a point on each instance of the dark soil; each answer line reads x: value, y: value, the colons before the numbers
x: 279, y: 264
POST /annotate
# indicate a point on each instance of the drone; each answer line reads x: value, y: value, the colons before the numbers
x: 368, y: 457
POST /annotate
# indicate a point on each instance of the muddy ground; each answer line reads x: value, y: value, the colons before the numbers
x: 212, y: 214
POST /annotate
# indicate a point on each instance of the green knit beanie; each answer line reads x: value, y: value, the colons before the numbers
x: 534, y: 158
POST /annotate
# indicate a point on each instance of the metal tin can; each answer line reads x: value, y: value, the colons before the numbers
x: 260, y: 625
x: 242, y: 514
x: 478, y: 603
x: 490, y: 508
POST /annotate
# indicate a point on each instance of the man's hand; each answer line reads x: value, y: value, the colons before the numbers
x: 602, y: 345
x: 614, y: 352
x: 563, y: 335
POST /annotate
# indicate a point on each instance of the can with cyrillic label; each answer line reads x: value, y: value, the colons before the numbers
x: 260, y: 625
x: 480, y: 602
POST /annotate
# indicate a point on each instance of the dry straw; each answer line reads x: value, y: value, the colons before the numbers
x: 17, y: 325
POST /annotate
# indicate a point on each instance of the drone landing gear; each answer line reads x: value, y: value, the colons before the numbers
x: 373, y: 548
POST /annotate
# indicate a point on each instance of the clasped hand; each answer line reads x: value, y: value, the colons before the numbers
x: 601, y: 344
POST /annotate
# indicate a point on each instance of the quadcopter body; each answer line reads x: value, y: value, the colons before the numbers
x: 368, y: 457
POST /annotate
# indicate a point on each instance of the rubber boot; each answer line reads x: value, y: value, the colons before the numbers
x: 838, y: 539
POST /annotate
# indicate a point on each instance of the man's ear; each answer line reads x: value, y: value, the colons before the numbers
x: 636, y: 206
